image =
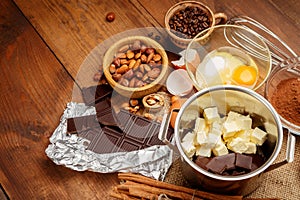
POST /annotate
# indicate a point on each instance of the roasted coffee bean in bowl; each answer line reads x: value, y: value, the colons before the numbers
x: 186, y: 19
x: 135, y: 66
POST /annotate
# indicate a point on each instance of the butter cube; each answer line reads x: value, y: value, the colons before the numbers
x: 231, y: 116
x: 216, y: 128
x: 230, y: 128
x: 203, y: 150
x: 258, y: 136
x: 211, y: 114
x: 200, y: 124
x: 251, y: 148
x: 237, y: 145
x: 188, y: 144
x: 188, y: 148
x: 212, y: 140
x: 220, y: 149
x: 245, y: 122
x: 188, y: 137
x: 201, y: 137
x: 228, y: 139
x: 244, y: 134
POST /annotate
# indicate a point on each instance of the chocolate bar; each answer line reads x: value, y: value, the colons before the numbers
x: 93, y: 94
x: 79, y: 124
x: 132, y: 133
x: 100, y: 97
x: 105, y: 112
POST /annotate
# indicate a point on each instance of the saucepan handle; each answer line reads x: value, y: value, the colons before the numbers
x: 290, y: 152
x: 162, y: 135
x: 291, y: 143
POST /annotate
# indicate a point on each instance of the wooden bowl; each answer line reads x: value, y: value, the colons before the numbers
x: 135, y: 92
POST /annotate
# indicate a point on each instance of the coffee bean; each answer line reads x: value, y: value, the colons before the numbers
x: 188, y: 22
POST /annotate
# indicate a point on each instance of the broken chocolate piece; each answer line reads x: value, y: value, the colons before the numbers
x: 79, y: 124
x: 202, y: 161
x: 105, y: 113
x: 221, y: 163
x: 93, y: 94
x: 216, y: 166
x: 229, y: 160
x: 231, y: 164
x: 243, y: 161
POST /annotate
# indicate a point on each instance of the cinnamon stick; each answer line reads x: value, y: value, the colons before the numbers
x: 163, y: 185
x: 157, y: 191
x: 121, y: 194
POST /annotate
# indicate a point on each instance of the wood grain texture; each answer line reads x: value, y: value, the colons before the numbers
x: 266, y: 12
x: 73, y: 28
x: 43, y: 44
x: 34, y: 91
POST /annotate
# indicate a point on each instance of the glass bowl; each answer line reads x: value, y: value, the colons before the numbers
x: 283, y: 91
x: 231, y: 55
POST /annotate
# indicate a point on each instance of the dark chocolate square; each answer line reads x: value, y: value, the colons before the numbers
x: 243, y: 161
x: 215, y: 165
x: 202, y: 161
x: 104, y: 142
x: 79, y: 124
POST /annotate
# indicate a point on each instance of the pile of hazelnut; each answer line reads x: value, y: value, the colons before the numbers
x: 136, y: 65
x: 160, y: 101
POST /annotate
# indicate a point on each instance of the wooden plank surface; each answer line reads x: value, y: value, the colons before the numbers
x: 73, y: 28
x: 35, y: 88
x: 42, y: 47
x: 266, y: 12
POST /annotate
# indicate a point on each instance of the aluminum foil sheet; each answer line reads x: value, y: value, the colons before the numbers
x: 70, y: 151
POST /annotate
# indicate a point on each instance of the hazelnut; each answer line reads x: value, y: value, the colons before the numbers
x: 133, y: 102
x: 110, y: 17
x: 97, y: 76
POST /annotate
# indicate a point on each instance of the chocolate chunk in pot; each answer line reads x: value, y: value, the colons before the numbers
x: 243, y: 161
x: 202, y: 161
x: 216, y: 165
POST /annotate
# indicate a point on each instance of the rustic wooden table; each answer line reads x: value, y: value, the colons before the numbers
x: 42, y: 46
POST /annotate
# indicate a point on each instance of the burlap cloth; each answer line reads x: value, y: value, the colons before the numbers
x: 283, y: 182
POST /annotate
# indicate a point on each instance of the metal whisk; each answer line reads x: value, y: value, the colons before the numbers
x: 279, y: 55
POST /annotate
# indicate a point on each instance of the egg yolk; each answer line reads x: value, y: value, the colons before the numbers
x: 245, y: 75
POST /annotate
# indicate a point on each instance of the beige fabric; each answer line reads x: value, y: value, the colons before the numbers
x: 283, y: 182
